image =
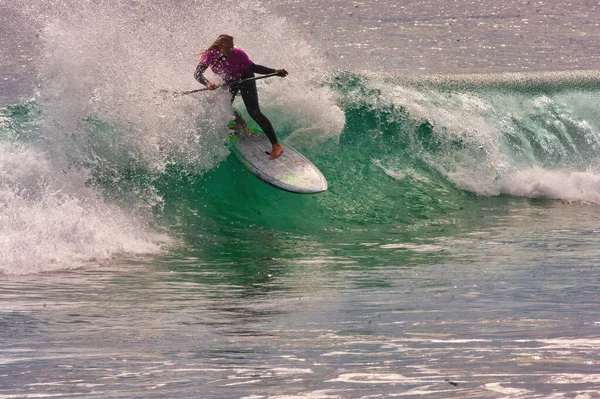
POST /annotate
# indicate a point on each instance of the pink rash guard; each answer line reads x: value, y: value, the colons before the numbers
x: 228, y: 68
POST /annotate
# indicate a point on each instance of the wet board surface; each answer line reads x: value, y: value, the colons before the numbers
x: 292, y: 171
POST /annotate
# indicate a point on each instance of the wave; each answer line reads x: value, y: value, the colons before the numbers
x: 100, y: 164
x: 404, y: 153
x: 485, y: 138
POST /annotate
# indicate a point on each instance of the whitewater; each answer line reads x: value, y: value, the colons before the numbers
x: 454, y: 254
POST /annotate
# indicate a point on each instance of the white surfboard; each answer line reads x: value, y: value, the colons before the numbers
x: 290, y: 172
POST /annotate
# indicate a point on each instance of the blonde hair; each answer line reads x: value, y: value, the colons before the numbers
x: 219, y: 42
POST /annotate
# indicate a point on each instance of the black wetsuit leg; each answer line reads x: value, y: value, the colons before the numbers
x: 250, y: 98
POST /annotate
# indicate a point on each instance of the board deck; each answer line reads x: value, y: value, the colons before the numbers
x: 291, y: 172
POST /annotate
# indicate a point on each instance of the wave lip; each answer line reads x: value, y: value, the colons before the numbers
x: 516, y: 81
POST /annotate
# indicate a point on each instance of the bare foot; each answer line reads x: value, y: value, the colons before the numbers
x: 276, y: 151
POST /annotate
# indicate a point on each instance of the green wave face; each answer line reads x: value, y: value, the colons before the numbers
x: 375, y: 173
x: 412, y: 162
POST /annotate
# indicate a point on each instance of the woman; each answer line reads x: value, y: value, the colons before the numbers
x: 231, y: 63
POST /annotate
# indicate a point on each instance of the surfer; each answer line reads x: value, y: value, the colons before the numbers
x: 232, y: 64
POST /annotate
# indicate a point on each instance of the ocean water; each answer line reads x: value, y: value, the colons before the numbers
x: 453, y: 256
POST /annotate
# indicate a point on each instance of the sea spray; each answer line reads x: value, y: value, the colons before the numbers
x: 50, y: 221
x: 80, y: 164
x: 111, y: 60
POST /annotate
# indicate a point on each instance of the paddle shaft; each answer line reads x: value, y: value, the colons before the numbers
x: 225, y: 84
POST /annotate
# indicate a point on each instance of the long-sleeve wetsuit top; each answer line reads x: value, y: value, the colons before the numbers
x: 228, y: 68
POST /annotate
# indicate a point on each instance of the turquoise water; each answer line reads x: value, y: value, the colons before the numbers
x: 454, y: 254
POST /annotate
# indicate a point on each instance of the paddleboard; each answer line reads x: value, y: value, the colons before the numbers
x: 291, y: 172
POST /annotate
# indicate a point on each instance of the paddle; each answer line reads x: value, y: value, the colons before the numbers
x: 182, y: 93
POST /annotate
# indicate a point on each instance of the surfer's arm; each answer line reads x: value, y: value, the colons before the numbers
x: 199, y: 74
x: 263, y: 70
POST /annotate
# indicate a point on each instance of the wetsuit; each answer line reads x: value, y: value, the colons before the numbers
x: 238, y: 66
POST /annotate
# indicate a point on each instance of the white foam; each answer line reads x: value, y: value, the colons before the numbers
x: 569, y: 186
x: 318, y: 394
x: 375, y: 378
x: 578, y: 343
x: 414, y: 248
x: 575, y: 379
x: 49, y: 219
x: 497, y: 387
